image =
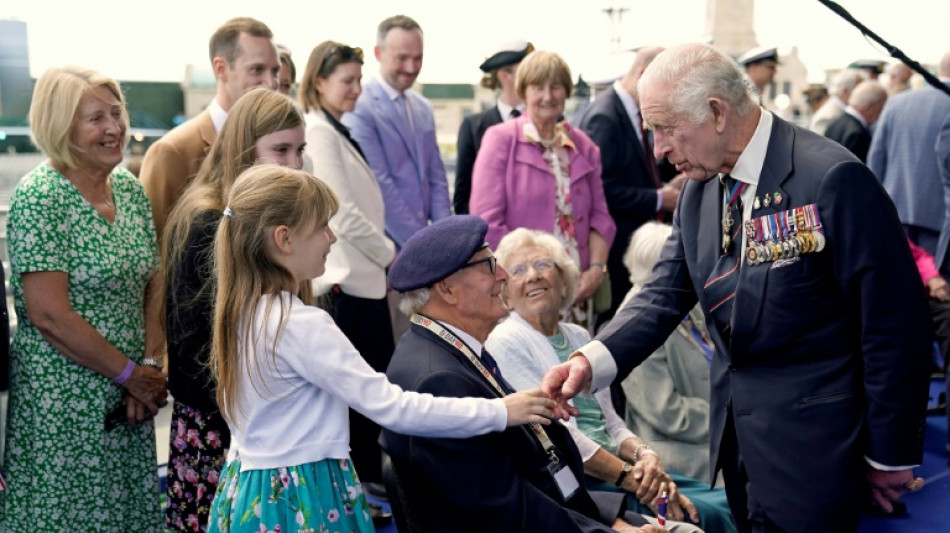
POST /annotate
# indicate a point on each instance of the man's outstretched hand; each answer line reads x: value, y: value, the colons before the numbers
x: 565, y: 381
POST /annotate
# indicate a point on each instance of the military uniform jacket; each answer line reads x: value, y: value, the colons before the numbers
x: 827, y: 357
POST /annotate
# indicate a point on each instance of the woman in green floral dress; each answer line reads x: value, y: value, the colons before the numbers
x: 82, y: 250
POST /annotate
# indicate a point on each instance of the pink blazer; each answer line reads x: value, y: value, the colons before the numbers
x: 512, y: 187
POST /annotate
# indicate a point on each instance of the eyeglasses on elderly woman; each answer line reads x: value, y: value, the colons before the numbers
x: 539, y: 265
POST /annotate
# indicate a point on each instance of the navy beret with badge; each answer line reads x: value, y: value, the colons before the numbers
x: 437, y: 251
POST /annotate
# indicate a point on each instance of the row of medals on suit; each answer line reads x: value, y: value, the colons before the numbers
x: 781, y: 235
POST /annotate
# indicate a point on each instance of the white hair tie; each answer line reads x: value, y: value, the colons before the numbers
x: 227, y: 212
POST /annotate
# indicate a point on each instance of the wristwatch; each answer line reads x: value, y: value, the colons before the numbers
x: 601, y: 266
x: 624, y: 470
x: 148, y: 361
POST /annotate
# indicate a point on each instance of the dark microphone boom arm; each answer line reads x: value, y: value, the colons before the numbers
x: 893, y: 50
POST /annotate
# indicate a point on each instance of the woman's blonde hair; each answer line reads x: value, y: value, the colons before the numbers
x: 257, y: 113
x: 522, y: 238
x: 264, y: 197
x: 540, y: 68
x: 323, y: 60
x: 56, y: 98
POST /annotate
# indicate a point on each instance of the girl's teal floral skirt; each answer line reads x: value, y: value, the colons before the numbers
x: 325, y: 496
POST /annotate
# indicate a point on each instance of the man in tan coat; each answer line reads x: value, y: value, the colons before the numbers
x: 243, y: 56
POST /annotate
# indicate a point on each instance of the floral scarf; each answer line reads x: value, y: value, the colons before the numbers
x: 556, y: 154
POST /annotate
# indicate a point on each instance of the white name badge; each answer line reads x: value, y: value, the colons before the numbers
x: 564, y: 478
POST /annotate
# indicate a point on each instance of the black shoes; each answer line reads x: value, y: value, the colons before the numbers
x: 380, y: 516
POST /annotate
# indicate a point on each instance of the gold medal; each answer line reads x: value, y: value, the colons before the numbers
x: 751, y: 255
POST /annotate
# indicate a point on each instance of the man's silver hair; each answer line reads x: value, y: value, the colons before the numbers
x: 413, y: 301
x: 693, y: 73
x: 844, y: 81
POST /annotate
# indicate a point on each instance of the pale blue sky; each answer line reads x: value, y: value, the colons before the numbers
x: 153, y: 40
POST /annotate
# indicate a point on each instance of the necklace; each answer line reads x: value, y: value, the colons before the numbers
x: 558, y: 340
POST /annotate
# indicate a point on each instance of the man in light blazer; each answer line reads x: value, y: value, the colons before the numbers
x: 499, y: 75
x: 902, y: 157
x: 631, y: 177
x: 243, y: 56
x: 396, y: 130
x: 819, y: 380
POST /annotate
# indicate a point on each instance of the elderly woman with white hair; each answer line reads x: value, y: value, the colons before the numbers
x: 542, y: 281
x: 668, y: 394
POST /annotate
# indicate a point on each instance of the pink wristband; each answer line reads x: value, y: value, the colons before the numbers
x: 126, y: 373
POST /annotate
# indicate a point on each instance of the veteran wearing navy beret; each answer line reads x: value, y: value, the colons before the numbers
x: 451, y: 285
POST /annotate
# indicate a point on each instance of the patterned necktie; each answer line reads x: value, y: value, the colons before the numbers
x: 720, y: 288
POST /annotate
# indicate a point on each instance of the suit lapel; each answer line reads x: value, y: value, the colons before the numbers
x: 457, y: 354
x: 387, y: 110
x: 750, y: 291
x: 347, y: 145
x: 206, y: 131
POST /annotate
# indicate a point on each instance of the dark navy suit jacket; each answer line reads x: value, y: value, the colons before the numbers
x: 850, y: 133
x: 470, y: 140
x: 828, y: 357
x: 496, y: 482
x: 628, y: 184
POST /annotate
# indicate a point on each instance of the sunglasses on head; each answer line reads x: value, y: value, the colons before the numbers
x: 346, y: 53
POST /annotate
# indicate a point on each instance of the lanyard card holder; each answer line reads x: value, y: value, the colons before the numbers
x: 563, y: 476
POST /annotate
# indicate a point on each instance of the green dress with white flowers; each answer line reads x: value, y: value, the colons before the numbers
x: 64, y: 471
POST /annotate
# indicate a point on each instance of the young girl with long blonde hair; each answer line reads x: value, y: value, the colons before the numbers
x: 286, y: 373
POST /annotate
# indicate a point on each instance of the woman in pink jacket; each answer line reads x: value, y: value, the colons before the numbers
x: 538, y: 172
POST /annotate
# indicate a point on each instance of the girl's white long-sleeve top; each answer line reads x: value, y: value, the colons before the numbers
x: 296, y: 411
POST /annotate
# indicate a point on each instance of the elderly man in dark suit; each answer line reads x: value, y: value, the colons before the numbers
x: 499, y: 70
x: 523, y: 479
x: 799, y: 262
x: 631, y: 178
x: 853, y: 129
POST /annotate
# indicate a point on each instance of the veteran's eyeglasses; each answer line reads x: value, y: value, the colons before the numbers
x: 491, y: 260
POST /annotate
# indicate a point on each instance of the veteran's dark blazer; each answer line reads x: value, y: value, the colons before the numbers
x: 850, y: 133
x: 829, y: 353
x: 470, y: 140
x: 628, y: 184
x: 494, y: 482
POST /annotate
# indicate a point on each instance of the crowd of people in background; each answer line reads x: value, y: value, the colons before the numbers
x: 289, y: 268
